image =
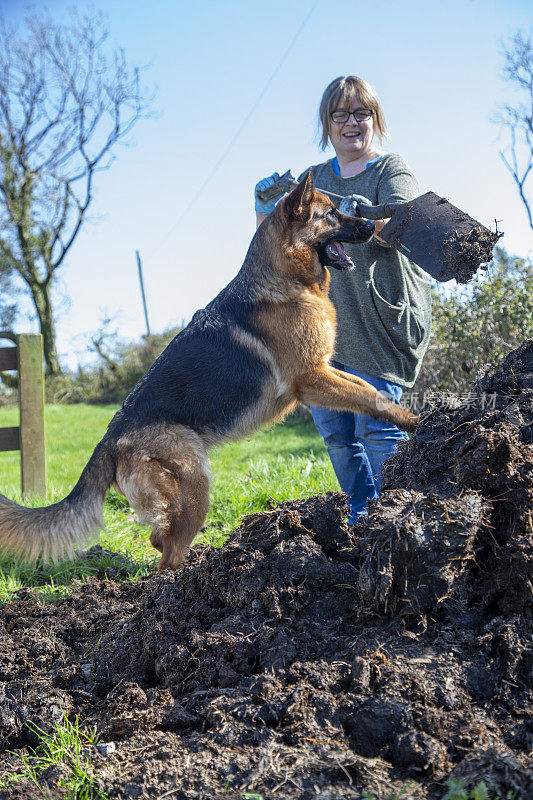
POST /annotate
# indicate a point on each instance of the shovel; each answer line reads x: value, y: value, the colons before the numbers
x: 429, y: 230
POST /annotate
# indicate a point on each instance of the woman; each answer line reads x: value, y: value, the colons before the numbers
x: 384, y: 304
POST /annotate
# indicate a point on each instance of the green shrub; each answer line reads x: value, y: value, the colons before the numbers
x: 121, y: 366
x: 478, y: 323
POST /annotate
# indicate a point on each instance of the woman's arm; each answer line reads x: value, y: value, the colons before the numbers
x: 396, y: 184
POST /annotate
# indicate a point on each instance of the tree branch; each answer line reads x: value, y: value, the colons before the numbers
x: 64, y: 105
x: 518, y: 120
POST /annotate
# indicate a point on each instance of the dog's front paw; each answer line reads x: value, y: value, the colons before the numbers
x: 409, y: 421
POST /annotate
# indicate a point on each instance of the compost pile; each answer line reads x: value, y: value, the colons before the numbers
x: 307, y: 660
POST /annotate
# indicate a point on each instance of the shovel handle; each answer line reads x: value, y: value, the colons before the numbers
x: 286, y: 183
x: 384, y: 211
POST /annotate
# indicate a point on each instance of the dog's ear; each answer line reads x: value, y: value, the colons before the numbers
x: 298, y: 203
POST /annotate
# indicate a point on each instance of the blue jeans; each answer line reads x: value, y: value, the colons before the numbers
x: 358, y: 445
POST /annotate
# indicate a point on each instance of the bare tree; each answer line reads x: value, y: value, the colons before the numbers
x: 66, y: 99
x: 517, y: 119
x: 8, y: 309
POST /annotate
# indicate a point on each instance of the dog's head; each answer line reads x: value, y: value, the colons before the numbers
x: 318, y: 229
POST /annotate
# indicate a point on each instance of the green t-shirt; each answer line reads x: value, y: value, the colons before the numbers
x: 384, y: 304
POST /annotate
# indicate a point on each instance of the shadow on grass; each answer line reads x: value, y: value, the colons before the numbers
x: 47, y: 582
x: 304, y: 440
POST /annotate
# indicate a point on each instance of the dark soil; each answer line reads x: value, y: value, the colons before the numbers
x: 465, y: 252
x: 306, y: 660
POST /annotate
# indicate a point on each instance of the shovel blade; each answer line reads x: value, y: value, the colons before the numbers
x: 440, y: 238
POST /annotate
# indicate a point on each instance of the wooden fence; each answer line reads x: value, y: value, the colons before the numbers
x: 27, y: 358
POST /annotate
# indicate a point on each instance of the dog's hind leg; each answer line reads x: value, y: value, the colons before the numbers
x: 165, y: 476
x: 156, y: 537
x: 185, y: 520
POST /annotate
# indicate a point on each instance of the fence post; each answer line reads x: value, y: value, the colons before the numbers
x: 31, y: 398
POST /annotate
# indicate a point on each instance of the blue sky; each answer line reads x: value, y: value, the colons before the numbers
x: 437, y: 68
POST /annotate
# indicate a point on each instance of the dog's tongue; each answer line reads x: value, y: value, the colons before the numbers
x: 337, y: 250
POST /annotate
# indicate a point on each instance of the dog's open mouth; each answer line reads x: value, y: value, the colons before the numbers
x: 333, y: 254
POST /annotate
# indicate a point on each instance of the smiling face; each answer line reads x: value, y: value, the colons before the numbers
x: 352, y: 139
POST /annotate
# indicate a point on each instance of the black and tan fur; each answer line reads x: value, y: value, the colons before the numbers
x: 262, y: 346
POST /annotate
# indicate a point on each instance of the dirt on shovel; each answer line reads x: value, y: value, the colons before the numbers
x: 304, y: 659
x: 463, y: 253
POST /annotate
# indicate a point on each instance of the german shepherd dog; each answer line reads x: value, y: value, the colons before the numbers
x: 258, y: 349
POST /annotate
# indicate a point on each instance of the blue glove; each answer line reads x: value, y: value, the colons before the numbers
x: 266, y: 206
x: 348, y: 204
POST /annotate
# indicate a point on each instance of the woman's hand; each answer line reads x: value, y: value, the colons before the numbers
x: 348, y: 205
x: 264, y: 207
x: 379, y: 224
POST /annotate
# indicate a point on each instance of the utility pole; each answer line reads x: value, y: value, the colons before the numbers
x: 139, y: 267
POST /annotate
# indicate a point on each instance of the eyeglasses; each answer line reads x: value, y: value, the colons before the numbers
x: 359, y: 115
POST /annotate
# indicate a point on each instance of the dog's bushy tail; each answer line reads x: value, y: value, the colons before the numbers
x: 57, y: 530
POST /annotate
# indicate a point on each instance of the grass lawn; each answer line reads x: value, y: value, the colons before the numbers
x: 285, y: 462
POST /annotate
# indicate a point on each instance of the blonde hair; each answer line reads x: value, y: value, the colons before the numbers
x: 344, y: 91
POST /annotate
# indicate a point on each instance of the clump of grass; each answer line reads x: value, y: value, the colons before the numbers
x: 457, y: 790
x: 66, y: 745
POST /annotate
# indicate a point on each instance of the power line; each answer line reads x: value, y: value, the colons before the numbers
x: 240, y: 129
